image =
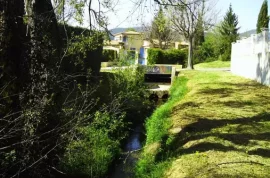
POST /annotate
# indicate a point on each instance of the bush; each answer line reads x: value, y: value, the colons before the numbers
x: 119, y: 102
x: 175, y: 56
x: 109, y: 55
x: 154, y: 56
x: 204, y: 53
x: 91, y: 154
x: 214, y: 48
x: 128, y: 90
x: 171, y: 56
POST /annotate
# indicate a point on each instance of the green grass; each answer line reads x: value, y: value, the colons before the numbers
x: 220, y: 128
x: 214, y: 64
x: 157, y: 129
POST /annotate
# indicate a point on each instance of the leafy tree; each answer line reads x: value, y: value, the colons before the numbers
x: 13, y: 75
x: 210, y: 48
x: 161, y: 30
x: 263, y: 18
x: 229, y: 32
x: 199, y: 36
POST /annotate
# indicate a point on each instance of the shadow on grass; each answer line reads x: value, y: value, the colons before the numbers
x: 217, y: 91
x: 202, y: 129
x: 236, y: 104
x: 250, y: 84
x: 261, y: 152
x: 185, y: 105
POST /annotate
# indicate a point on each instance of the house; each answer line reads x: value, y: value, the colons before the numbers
x: 134, y: 41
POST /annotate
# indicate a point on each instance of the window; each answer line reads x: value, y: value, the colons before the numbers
x: 124, y: 38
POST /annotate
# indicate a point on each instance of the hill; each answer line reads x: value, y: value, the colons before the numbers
x: 120, y: 29
x: 247, y: 33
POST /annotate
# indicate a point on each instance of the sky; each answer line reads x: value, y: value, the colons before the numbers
x: 129, y: 14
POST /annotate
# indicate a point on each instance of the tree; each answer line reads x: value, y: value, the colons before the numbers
x: 199, y: 36
x: 263, y: 18
x: 161, y: 30
x: 42, y: 106
x: 229, y: 32
x: 185, y: 19
x: 13, y: 74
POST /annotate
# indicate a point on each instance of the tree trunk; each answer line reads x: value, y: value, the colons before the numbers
x: 190, y: 54
x: 12, y: 36
x: 13, y: 79
x: 44, y: 57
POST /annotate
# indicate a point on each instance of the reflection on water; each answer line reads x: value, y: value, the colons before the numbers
x: 134, y: 140
x: 127, y: 163
x: 129, y: 158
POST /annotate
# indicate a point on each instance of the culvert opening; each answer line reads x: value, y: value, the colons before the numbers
x: 165, y: 97
x: 153, y: 97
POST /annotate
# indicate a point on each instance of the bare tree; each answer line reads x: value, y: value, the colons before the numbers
x: 185, y: 18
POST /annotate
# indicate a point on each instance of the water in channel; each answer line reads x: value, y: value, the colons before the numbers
x: 131, y: 151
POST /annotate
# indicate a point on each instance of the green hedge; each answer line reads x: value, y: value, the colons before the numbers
x: 171, y: 56
x: 109, y: 55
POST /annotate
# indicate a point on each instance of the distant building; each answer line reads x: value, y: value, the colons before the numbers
x: 134, y: 41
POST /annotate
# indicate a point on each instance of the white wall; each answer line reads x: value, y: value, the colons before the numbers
x: 251, y: 58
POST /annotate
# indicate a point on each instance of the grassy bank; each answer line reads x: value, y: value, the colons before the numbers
x: 157, y: 129
x: 214, y: 64
x: 220, y: 128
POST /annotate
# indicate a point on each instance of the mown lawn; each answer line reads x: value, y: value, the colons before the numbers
x: 220, y: 128
x: 214, y: 64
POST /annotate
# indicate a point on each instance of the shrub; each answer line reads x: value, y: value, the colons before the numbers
x: 175, y: 56
x: 109, y: 55
x: 214, y: 48
x: 154, y: 56
x: 171, y: 56
x: 90, y: 154
x: 128, y: 89
x: 204, y: 53
x: 119, y: 101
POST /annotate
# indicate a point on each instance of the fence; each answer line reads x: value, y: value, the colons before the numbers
x: 251, y: 57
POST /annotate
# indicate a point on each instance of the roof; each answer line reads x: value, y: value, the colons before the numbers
x: 128, y: 33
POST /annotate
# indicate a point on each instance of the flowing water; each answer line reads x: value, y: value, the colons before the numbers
x: 128, y: 159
